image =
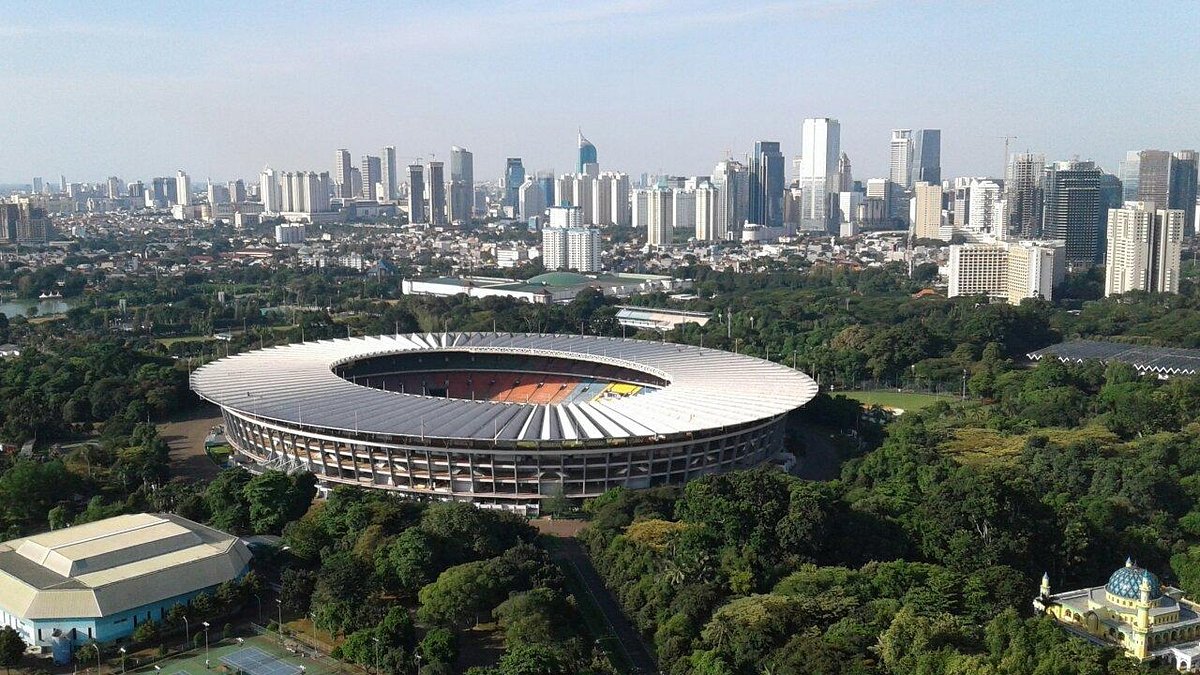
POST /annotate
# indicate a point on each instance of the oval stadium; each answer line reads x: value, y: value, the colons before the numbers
x: 502, y: 420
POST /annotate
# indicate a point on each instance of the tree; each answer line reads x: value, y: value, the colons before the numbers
x: 12, y: 647
x: 533, y: 660
x: 408, y: 562
x: 439, y: 646
x: 460, y: 594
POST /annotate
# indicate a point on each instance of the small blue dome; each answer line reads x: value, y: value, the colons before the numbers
x: 1126, y: 583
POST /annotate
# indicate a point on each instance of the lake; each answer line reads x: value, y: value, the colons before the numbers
x: 18, y: 306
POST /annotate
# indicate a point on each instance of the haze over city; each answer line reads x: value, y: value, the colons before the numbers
x: 222, y: 89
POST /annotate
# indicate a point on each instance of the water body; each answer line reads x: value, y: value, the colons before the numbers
x: 19, y: 306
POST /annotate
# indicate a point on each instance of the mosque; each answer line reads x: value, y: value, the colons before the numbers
x: 1134, y: 612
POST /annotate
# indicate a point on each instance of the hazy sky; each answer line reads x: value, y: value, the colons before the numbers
x: 93, y: 89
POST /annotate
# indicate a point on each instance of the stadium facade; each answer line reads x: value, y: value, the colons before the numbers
x: 502, y: 420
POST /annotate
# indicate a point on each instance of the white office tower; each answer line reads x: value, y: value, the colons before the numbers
x: 237, y: 191
x: 269, y: 192
x: 583, y: 249
x: 289, y: 233
x: 315, y: 197
x: 732, y: 182
x: 659, y: 216
x: 342, y: 174
x: 564, y: 217
x: 683, y: 210
x: 114, y: 187
x: 389, y: 179
x: 639, y: 208
x: 986, y: 215
x: 849, y: 206
x: 530, y: 201
x: 927, y: 211
x: 183, y: 188
x: 217, y: 194
x: 564, y: 190
x: 1009, y: 271
x: 583, y: 189
x: 900, y: 167
x: 820, y: 150
x: 707, y: 225
x: 1144, y: 249
x: 554, y: 246
x: 611, y: 199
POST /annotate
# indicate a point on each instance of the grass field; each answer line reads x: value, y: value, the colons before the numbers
x: 895, y: 399
x: 167, y: 342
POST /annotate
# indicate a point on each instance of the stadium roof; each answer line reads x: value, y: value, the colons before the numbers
x: 707, y: 389
x: 114, y: 565
x: 1160, y: 360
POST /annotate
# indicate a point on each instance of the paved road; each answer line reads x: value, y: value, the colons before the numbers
x: 632, y: 645
x: 185, y: 434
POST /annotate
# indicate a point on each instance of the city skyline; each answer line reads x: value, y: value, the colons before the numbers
x: 224, y: 105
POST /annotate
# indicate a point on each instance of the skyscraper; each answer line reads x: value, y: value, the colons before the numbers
x: 1128, y: 171
x: 1144, y: 249
x: 183, y: 188
x: 845, y: 179
x: 269, y: 192
x: 462, y: 184
x: 342, y: 173
x: 766, y: 184
x: 706, y: 213
x: 613, y: 187
x: 927, y: 217
x: 547, y: 183
x: 237, y: 191
x: 530, y: 200
x: 1183, y: 188
x: 587, y: 156
x: 389, y: 177
x: 436, y: 194
x: 732, y: 181
x: 1072, y: 209
x: 372, y: 175
x: 899, y: 168
x: 1023, y: 187
x: 986, y: 212
x: 1154, y: 177
x: 926, y: 164
x: 514, y: 178
x: 659, y: 201
x: 114, y: 187
x: 820, y: 149
x: 416, y: 194
x: 38, y: 185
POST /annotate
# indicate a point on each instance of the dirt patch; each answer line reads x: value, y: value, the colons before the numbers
x: 558, y: 528
x: 185, y: 434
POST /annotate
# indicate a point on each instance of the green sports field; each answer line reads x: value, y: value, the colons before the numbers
x: 895, y: 399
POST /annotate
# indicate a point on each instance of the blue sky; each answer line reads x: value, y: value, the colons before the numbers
x: 222, y: 89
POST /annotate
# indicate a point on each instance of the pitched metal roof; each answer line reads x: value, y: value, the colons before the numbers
x: 706, y: 389
x: 113, y: 565
x: 1160, y: 360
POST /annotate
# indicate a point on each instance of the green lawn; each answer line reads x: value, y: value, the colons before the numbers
x: 895, y: 399
x: 167, y: 342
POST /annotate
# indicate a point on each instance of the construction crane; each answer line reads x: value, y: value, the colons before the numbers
x: 1006, y: 140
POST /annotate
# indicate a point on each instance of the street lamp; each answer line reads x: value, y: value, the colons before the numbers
x: 96, y: 646
x: 187, y: 634
x: 280, y: 603
x: 205, y: 644
x: 378, y: 668
x: 122, y: 650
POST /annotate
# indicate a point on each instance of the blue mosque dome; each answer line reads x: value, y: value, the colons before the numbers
x: 1126, y: 582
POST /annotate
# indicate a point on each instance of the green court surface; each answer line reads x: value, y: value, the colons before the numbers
x: 895, y: 399
x: 192, y: 663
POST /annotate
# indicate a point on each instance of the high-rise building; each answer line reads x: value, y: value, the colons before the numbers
x: 217, y: 193
x: 987, y: 212
x: 269, y: 191
x: 416, y: 194
x: 766, y: 184
x: 1010, y: 271
x: 372, y: 175
x: 820, y: 150
x: 554, y: 245
x: 462, y: 184
x: 389, y: 177
x: 114, y: 187
x: 136, y: 192
x: 183, y: 188
x: 1072, y: 209
x: 530, y: 201
x: 342, y: 170
x: 1154, y: 177
x: 659, y: 215
x: 683, y: 210
x: 732, y: 181
x: 900, y: 166
x: 583, y: 189
x: 926, y: 164
x: 1128, y: 171
x: 845, y: 180
x: 567, y: 243
x: 435, y: 192
x: 588, y: 162
x: 546, y: 181
x: 564, y: 190
x: 927, y: 212
x: 1110, y: 198
x: 707, y: 207
x: 583, y: 249
x: 1144, y: 249
x: 1023, y: 192
x: 514, y: 178
x: 1183, y: 188
x: 38, y: 185
x: 237, y: 191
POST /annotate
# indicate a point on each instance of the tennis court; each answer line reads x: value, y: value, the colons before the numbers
x: 254, y: 661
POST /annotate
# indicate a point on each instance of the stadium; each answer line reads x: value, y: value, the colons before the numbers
x: 502, y: 420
